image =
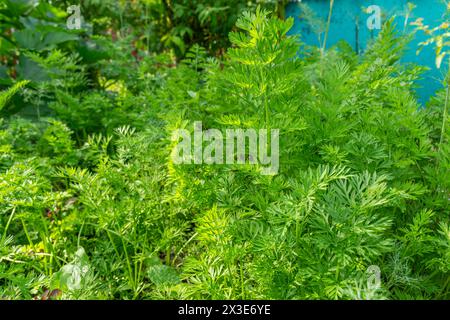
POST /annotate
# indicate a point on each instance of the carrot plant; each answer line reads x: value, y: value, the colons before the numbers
x: 92, y: 205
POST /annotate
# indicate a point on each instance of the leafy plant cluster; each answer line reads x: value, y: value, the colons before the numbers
x: 92, y: 206
x: 167, y: 24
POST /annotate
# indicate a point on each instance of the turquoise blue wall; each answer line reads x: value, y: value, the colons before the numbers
x: 349, y: 14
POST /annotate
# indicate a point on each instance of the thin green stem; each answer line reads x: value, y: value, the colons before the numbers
x: 168, y: 252
x: 130, y: 269
x: 241, y: 271
x: 330, y: 13
x: 130, y: 272
x: 8, y: 223
x: 79, y: 235
x: 148, y: 28
x: 444, y: 117
x: 26, y: 232
x: 184, y: 246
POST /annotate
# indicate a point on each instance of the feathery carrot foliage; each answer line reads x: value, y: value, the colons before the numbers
x: 91, y: 203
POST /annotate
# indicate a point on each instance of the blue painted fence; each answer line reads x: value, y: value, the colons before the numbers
x: 349, y: 23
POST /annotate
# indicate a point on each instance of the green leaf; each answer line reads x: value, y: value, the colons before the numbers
x: 5, y: 96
